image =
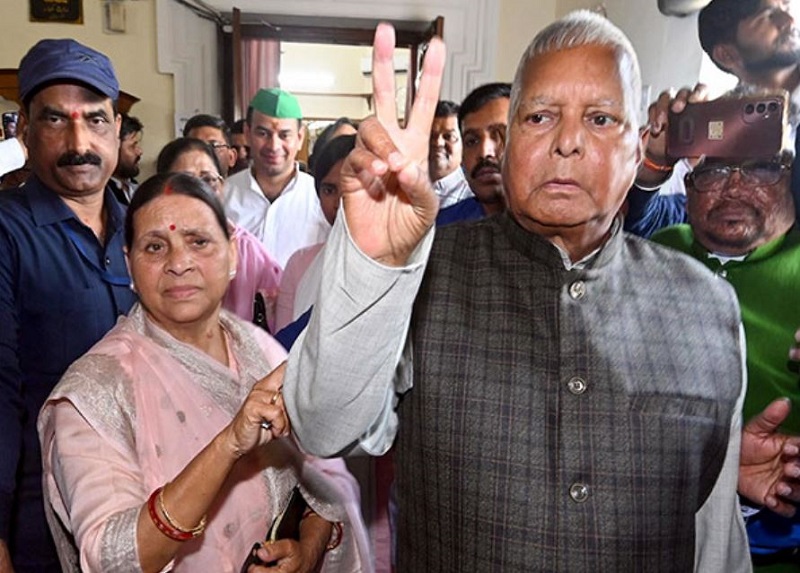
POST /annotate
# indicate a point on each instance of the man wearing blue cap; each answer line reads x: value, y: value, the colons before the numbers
x: 63, y: 280
x: 273, y: 199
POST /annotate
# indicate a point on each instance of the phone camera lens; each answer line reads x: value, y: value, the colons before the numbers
x: 773, y: 106
x: 761, y: 108
x: 749, y: 109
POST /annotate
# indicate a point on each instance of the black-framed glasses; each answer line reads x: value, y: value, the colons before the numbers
x: 714, y: 177
x: 218, y: 145
x: 211, y: 179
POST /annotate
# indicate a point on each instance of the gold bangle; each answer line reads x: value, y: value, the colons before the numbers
x: 193, y: 531
x: 336, y: 536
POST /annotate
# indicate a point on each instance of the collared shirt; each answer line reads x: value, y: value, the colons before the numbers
x: 452, y: 188
x: 291, y: 222
x: 245, y: 202
x: 60, y: 292
x: 123, y: 189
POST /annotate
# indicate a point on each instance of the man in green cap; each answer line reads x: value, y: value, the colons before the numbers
x: 273, y: 199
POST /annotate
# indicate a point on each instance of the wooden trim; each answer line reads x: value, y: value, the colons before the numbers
x: 327, y: 35
x: 238, y: 84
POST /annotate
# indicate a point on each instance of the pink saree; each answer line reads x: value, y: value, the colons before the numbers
x: 129, y: 415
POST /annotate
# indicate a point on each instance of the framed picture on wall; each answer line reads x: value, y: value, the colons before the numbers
x: 63, y: 11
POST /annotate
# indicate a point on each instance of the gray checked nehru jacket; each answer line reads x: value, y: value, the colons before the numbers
x: 562, y: 420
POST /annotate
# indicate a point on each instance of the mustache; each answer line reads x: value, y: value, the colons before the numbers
x: 74, y: 159
x: 483, y: 163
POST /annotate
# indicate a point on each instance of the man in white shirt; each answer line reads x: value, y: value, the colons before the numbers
x: 444, y: 156
x: 273, y: 199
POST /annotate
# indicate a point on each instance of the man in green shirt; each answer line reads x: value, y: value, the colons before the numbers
x: 741, y: 226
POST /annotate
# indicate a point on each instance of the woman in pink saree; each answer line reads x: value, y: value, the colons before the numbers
x: 164, y: 447
x: 257, y: 270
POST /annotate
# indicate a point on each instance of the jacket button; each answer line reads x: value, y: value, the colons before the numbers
x: 576, y: 385
x: 577, y: 290
x: 579, y: 492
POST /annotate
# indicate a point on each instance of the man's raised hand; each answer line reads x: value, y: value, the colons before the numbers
x: 387, y: 196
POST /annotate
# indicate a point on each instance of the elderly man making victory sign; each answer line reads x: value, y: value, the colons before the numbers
x: 547, y: 415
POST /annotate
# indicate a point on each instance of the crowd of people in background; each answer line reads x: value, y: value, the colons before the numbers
x: 510, y: 333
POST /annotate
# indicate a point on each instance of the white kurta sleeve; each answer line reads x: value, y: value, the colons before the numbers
x: 720, y: 536
x: 345, y: 370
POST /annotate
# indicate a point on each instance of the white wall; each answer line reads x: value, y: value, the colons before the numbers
x: 520, y: 21
x: 133, y: 54
x: 668, y: 49
x: 325, y: 70
x: 470, y: 29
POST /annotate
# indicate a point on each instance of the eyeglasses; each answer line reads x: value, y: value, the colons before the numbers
x: 217, y: 145
x: 213, y: 180
x: 707, y: 178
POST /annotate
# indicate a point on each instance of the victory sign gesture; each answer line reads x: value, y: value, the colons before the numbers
x: 387, y: 196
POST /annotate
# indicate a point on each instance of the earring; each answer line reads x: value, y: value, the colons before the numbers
x: 132, y: 286
x: 232, y: 274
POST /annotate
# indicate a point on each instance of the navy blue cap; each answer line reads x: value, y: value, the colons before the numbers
x: 51, y: 60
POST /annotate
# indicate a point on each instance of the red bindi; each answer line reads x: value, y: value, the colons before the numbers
x: 75, y: 115
x: 172, y: 227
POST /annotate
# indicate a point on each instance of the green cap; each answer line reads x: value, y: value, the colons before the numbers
x: 277, y: 103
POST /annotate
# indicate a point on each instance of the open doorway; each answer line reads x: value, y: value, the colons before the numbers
x: 326, y: 62
x: 333, y: 81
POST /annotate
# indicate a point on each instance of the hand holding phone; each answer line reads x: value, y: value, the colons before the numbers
x: 738, y: 128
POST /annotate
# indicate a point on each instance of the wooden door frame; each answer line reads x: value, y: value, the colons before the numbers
x: 321, y: 30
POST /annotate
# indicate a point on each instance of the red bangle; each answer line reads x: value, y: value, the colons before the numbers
x: 163, y: 527
x: 653, y: 166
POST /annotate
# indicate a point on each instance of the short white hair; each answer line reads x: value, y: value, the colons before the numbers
x: 585, y: 28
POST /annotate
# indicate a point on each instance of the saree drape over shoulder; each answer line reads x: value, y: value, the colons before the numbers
x: 129, y: 416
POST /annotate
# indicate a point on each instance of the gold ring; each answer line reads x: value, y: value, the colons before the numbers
x: 276, y: 396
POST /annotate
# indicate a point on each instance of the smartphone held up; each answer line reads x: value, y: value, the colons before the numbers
x: 731, y: 127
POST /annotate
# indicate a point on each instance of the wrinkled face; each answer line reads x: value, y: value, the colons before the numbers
x: 130, y: 153
x: 572, y: 151
x: 736, y: 217
x: 197, y: 163
x: 216, y: 139
x: 329, y: 192
x: 72, y: 139
x: 484, y: 142
x: 444, y: 155
x: 768, y: 40
x: 180, y: 261
x: 274, y: 144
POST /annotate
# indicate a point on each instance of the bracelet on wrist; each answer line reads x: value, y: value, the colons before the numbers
x: 168, y: 526
x: 657, y: 167
x: 336, y: 530
x: 336, y: 536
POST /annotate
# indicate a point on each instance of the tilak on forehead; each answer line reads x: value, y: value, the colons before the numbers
x: 75, y: 115
x: 172, y: 226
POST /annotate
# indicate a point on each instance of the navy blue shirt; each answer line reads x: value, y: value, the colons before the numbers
x: 467, y: 210
x: 648, y: 211
x: 60, y: 292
